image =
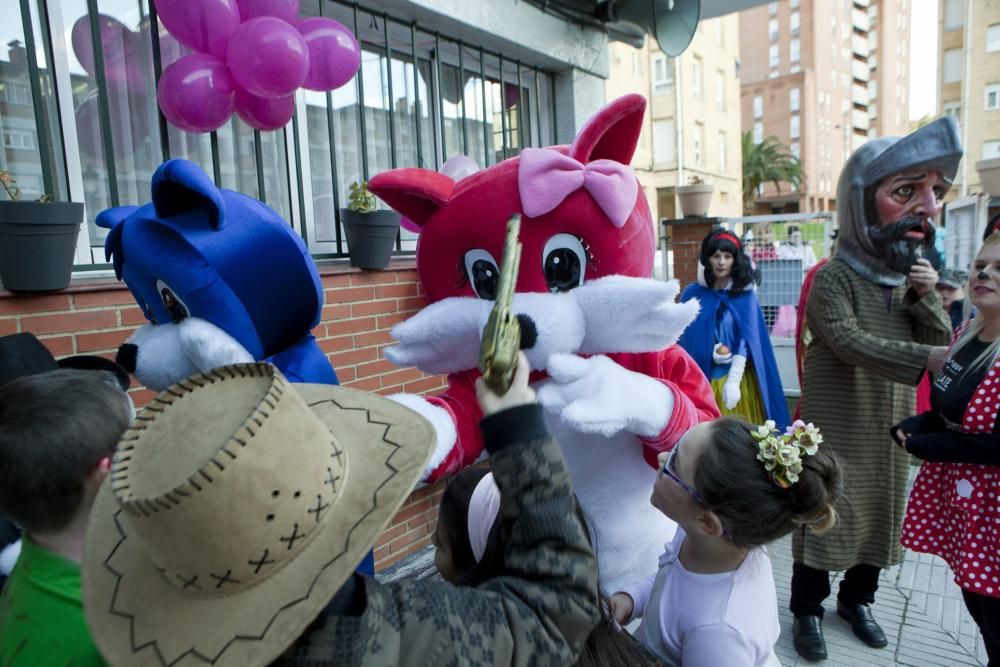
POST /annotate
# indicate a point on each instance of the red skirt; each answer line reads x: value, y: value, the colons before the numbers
x: 954, y: 513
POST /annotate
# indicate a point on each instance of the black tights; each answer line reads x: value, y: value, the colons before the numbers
x: 985, y: 611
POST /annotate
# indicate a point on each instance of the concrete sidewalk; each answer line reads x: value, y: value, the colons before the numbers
x: 919, y: 606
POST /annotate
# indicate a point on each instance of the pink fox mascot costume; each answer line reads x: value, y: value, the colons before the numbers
x: 598, y: 331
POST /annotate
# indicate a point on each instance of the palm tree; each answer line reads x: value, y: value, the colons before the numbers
x: 767, y: 161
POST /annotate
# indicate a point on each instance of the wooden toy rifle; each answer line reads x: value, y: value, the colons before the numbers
x: 502, y: 335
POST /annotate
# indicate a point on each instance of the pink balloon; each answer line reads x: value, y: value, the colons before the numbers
x: 268, y: 57
x: 286, y: 10
x: 262, y: 113
x: 122, y: 60
x: 196, y: 93
x: 334, y: 53
x: 459, y: 166
x: 203, y: 25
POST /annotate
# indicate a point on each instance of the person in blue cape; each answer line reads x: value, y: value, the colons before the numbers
x: 729, y: 340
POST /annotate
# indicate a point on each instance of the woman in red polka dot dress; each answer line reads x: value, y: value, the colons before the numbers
x: 954, y: 508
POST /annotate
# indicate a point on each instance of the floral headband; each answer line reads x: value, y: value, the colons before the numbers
x: 782, y: 454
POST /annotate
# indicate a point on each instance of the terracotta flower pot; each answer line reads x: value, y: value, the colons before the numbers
x: 695, y: 199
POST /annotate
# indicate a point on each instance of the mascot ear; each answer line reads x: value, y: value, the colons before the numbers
x: 612, y: 133
x: 416, y: 193
x: 112, y: 219
x: 180, y: 186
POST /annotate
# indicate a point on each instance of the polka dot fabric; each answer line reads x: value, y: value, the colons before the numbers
x: 954, y: 510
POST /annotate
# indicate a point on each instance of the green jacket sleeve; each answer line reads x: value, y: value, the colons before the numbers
x: 831, y: 317
x: 540, y: 613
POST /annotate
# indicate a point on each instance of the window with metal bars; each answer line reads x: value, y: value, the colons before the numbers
x: 420, y: 97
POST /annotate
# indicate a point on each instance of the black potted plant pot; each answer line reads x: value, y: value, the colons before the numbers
x: 37, y: 244
x: 370, y: 237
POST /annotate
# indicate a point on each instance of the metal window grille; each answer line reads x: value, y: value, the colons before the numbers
x: 420, y: 97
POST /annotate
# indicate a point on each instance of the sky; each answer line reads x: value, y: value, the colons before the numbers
x: 923, y: 58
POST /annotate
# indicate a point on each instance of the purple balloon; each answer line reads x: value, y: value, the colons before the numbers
x: 334, y: 53
x: 262, y: 113
x: 459, y: 166
x: 268, y: 57
x: 122, y: 59
x: 203, y: 25
x: 196, y: 93
x: 286, y: 10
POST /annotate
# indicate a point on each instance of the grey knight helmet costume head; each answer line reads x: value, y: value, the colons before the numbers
x: 883, y: 253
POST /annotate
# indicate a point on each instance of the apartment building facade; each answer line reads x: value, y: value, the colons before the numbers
x: 823, y: 77
x: 692, y: 126
x: 968, y: 81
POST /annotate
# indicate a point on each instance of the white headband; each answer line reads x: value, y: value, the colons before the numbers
x: 483, y: 509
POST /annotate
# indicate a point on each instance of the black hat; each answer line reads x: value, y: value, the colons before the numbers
x: 22, y: 354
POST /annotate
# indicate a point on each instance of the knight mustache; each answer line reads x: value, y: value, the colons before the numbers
x: 903, y: 242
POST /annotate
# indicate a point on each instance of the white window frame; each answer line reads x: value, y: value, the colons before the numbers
x: 772, y: 8
x: 663, y: 74
x: 794, y: 50
x: 952, y: 60
x: 794, y: 127
x: 699, y: 141
x: 664, y: 142
x: 953, y: 108
x: 993, y: 38
x: 992, y: 97
x: 793, y: 22
x: 758, y: 132
x: 795, y: 149
x: 758, y: 106
x: 20, y: 140
x: 773, y: 57
x: 696, y: 73
x: 954, y: 14
x: 794, y: 99
x: 772, y: 29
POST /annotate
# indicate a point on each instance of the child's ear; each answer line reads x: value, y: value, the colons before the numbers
x: 101, y: 470
x: 709, y: 524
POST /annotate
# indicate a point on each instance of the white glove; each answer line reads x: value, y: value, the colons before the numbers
x: 731, y: 389
x: 443, y: 337
x: 596, y: 395
x: 625, y: 314
x: 721, y: 358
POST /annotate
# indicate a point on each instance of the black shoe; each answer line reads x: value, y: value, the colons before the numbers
x: 863, y: 623
x: 808, y: 634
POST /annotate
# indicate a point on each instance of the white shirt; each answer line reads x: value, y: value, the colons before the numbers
x: 803, y: 252
x: 706, y: 620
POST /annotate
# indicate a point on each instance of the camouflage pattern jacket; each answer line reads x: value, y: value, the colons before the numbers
x: 539, y: 614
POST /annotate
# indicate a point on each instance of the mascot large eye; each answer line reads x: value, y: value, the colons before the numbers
x: 483, y: 273
x: 564, y: 261
x: 178, y: 311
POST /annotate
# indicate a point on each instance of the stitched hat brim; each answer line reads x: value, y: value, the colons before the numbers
x: 387, y: 447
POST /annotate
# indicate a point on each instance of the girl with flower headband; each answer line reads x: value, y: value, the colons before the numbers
x: 470, y: 550
x: 731, y: 488
x: 729, y: 340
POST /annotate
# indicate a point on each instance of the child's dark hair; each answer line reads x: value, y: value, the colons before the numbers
x: 755, y: 510
x: 743, y: 274
x: 606, y: 645
x: 55, y: 428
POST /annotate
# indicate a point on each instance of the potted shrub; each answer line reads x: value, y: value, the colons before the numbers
x: 695, y: 197
x: 371, y: 233
x: 37, y: 240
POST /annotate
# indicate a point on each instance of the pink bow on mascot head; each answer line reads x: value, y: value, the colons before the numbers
x: 585, y: 190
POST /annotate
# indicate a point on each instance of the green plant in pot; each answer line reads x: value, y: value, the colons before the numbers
x: 37, y: 240
x: 371, y: 233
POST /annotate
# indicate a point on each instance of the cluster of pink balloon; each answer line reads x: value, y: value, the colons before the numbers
x: 252, y: 55
x: 457, y: 167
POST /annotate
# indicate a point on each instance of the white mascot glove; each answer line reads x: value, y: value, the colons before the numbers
x: 719, y: 357
x: 441, y: 338
x: 596, y: 395
x: 731, y: 389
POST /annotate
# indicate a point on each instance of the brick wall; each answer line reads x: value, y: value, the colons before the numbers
x: 94, y: 316
x: 686, y: 236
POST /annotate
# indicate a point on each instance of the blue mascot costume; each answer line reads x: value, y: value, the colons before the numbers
x: 221, y: 278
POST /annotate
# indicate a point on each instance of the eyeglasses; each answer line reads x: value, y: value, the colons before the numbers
x: 671, y: 472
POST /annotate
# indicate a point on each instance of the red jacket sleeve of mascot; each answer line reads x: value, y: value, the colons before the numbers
x: 460, y: 402
x: 693, y: 398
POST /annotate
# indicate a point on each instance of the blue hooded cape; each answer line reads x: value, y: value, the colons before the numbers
x: 699, y: 339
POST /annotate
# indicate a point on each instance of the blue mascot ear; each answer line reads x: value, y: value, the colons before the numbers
x: 113, y: 219
x: 180, y: 186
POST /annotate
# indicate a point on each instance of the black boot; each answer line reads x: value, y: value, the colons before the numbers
x: 863, y: 623
x: 808, y: 634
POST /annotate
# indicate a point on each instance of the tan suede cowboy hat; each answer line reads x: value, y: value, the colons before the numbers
x: 237, y: 505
